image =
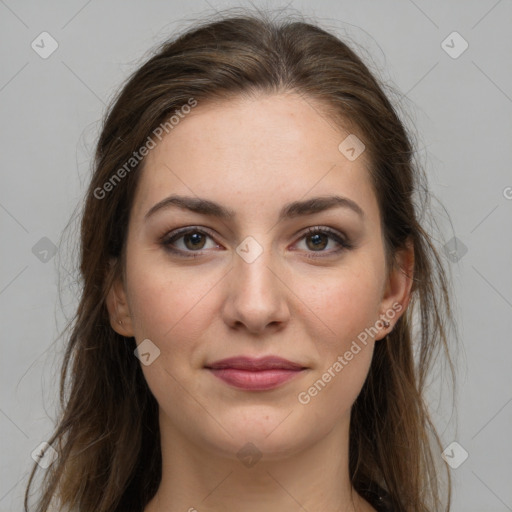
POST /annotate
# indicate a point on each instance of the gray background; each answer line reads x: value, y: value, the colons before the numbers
x: 460, y: 109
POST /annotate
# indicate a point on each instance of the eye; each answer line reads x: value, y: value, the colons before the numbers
x: 189, y: 242
x: 316, y: 239
x: 186, y: 240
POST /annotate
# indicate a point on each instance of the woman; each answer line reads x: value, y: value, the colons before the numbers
x: 252, y: 260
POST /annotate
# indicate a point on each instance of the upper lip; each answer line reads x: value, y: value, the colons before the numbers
x: 255, y: 364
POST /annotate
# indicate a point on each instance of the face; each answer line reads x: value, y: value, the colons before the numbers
x: 307, y: 284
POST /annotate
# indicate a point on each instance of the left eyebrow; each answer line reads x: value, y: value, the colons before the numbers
x: 317, y: 205
x: 291, y: 210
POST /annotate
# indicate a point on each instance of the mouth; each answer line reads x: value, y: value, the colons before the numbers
x: 255, y: 374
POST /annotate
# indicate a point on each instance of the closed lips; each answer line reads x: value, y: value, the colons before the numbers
x: 254, y: 365
x: 250, y: 374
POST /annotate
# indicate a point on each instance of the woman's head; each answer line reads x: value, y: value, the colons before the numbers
x: 249, y: 133
x: 253, y: 282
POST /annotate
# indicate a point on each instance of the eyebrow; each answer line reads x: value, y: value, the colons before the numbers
x: 289, y: 211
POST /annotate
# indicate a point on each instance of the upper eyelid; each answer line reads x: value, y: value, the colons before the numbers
x: 179, y: 232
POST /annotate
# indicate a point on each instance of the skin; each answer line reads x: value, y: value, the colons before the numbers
x: 253, y: 156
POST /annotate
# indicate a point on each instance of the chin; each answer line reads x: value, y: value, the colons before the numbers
x: 269, y: 432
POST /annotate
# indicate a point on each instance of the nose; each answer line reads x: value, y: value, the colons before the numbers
x: 256, y: 295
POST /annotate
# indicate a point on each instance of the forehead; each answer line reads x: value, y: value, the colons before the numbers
x: 245, y: 152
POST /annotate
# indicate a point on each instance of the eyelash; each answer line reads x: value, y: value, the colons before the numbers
x: 168, y: 239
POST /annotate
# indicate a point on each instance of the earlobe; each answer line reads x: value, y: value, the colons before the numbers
x: 397, y: 291
x: 118, y: 309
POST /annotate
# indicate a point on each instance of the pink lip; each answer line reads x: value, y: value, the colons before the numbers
x: 255, y: 374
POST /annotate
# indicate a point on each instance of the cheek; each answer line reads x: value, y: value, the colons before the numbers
x: 344, y: 302
x: 342, y: 310
x: 169, y: 306
x: 347, y: 306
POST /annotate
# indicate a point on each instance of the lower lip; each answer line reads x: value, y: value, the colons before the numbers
x: 255, y: 380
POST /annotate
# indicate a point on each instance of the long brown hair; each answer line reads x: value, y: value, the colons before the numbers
x: 107, y: 437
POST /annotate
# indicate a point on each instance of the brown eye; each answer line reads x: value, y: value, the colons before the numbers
x: 186, y: 242
x: 194, y: 240
x: 318, y: 241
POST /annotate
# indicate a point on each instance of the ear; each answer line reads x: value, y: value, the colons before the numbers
x: 397, y: 290
x: 117, y: 304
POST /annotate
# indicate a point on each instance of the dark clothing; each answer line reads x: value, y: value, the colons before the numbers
x: 378, y: 498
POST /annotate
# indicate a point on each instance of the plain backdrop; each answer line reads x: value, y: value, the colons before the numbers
x: 450, y: 63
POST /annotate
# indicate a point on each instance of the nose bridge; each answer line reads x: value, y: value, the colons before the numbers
x: 257, y: 297
x: 252, y: 268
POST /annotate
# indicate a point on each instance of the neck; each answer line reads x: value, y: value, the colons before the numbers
x: 314, y: 478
